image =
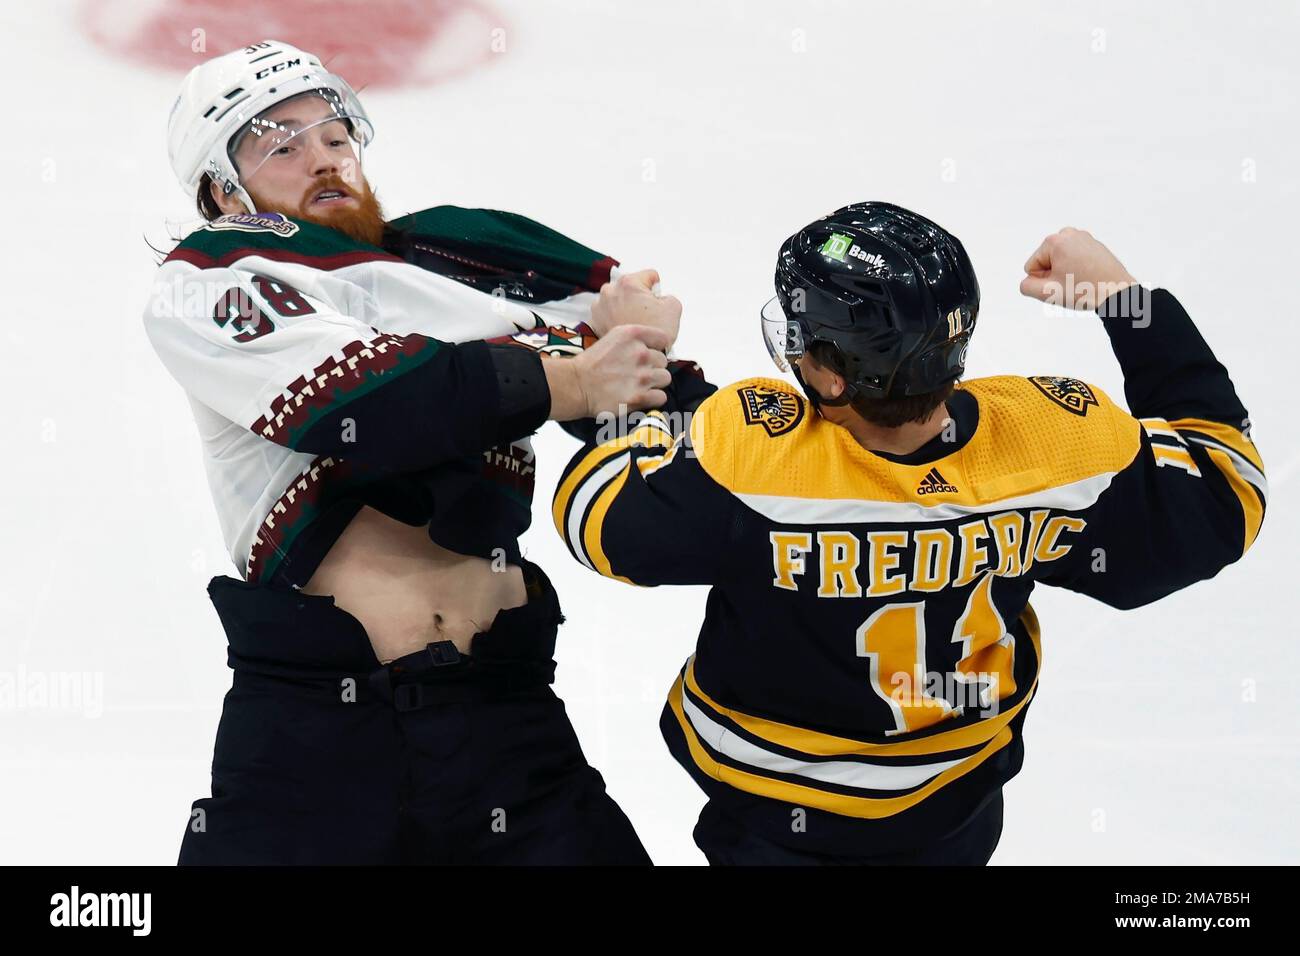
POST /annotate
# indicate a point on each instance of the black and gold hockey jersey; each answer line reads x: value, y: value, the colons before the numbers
x: 868, y: 651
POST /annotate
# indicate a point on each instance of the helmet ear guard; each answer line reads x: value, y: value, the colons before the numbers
x: 936, y: 366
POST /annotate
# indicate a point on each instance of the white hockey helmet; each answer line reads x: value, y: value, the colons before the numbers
x: 220, y: 98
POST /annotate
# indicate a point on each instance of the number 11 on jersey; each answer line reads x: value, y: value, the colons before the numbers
x: 893, y: 640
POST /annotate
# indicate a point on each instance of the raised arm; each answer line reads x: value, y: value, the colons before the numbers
x: 1193, y: 499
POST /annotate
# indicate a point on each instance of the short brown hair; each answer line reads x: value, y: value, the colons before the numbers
x: 885, y: 412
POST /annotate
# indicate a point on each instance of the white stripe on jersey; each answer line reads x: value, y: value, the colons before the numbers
x: 845, y: 773
x: 587, y: 493
x: 1243, y: 465
x: 1074, y: 496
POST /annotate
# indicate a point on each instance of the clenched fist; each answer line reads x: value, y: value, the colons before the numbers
x: 625, y: 371
x: 630, y: 300
x: 1072, y: 269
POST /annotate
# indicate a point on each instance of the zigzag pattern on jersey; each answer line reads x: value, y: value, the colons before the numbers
x: 321, y: 483
x: 327, y: 480
x: 338, y: 380
x: 844, y: 775
x: 1027, y: 450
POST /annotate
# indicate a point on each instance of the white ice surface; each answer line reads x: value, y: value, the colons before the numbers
x: 692, y: 137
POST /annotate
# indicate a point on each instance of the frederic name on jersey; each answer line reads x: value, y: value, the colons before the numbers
x: 924, y: 559
x: 920, y: 559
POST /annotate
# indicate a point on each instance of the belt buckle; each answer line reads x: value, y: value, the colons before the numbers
x: 438, y: 654
x: 413, y: 696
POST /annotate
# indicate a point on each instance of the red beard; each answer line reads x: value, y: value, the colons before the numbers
x: 364, y: 222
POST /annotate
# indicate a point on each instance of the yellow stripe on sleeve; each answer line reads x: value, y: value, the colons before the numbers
x: 1251, y: 508
x: 564, y: 494
x: 644, y: 436
x: 595, y: 521
x: 1232, y: 437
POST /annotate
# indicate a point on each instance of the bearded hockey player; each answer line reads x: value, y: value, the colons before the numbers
x: 868, y: 652
x: 364, y: 392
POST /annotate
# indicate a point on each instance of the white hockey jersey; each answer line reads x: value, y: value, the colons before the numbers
x: 322, y: 372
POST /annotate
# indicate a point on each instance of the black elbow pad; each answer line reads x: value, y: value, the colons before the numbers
x: 525, y: 398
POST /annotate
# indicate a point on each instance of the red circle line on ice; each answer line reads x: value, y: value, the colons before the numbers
x: 379, y: 43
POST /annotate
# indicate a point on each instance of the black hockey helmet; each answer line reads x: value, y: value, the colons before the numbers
x: 894, y: 292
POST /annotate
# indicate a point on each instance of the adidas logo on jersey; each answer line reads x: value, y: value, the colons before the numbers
x: 933, y: 483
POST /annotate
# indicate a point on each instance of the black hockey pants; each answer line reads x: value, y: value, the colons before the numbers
x: 324, y: 757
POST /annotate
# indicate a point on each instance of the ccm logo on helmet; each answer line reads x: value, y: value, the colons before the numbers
x: 263, y: 74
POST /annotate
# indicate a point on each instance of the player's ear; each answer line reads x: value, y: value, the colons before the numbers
x: 835, y: 384
x: 229, y: 205
x: 821, y: 377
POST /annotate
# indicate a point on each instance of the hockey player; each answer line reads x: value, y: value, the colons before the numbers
x: 868, y: 651
x: 364, y: 392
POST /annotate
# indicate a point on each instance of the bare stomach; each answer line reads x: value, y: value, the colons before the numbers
x: 407, y: 591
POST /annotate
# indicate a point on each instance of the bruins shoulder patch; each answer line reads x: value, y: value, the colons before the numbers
x: 1070, y: 393
x: 776, y: 410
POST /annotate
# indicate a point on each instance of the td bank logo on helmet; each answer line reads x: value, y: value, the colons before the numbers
x: 840, y: 247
